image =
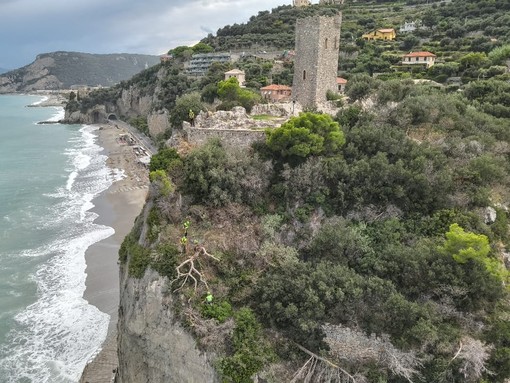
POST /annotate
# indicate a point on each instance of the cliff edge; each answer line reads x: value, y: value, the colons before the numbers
x: 153, y: 346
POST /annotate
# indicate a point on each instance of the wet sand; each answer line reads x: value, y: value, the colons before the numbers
x: 117, y: 207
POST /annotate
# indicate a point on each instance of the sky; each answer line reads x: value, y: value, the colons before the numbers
x: 31, y: 27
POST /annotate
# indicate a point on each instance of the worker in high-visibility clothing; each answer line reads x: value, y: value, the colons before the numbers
x: 191, y: 116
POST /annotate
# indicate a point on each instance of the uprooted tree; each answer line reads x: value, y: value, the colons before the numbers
x: 189, y: 269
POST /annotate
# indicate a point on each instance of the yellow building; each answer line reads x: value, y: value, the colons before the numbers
x: 381, y: 34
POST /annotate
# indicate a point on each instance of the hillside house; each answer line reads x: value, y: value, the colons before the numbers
x: 409, y: 26
x: 238, y: 74
x: 276, y: 93
x: 419, y: 58
x: 341, y: 82
x: 381, y: 34
x: 201, y: 62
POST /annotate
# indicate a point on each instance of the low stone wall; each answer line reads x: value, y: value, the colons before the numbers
x: 277, y: 109
x: 232, y: 119
x: 235, y: 137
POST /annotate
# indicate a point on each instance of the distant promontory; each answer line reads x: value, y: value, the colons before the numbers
x: 63, y: 70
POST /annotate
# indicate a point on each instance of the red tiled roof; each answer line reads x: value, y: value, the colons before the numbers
x: 340, y: 80
x: 420, y: 54
x: 276, y: 87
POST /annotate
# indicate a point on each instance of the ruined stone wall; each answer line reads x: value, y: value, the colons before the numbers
x: 316, y: 62
x: 277, y: 109
x: 234, y: 137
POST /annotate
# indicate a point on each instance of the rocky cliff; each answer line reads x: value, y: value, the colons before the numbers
x: 62, y: 70
x: 131, y: 103
x: 153, y: 346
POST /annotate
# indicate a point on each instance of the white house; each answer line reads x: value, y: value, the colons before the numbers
x: 419, y: 58
x: 410, y: 26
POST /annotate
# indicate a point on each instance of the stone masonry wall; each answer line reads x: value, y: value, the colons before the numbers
x: 233, y: 127
x: 234, y: 137
x: 316, y: 62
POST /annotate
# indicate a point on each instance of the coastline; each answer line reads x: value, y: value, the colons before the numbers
x: 116, y: 207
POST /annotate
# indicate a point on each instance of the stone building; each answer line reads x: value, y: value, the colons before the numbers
x: 276, y: 93
x: 341, y: 82
x: 316, y: 61
x: 240, y: 75
x: 301, y: 3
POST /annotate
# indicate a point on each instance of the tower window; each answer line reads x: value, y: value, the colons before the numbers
x: 326, y: 43
x: 304, y: 75
x: 336, y: 42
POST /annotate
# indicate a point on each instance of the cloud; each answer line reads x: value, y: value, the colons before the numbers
x: 113, y: 26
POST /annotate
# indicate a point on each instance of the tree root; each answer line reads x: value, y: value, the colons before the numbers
x: 192, y: 272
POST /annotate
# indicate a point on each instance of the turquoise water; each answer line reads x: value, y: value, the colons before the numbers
x: 49, y: 175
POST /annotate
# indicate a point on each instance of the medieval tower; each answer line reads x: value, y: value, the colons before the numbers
x: 301, y: 3
x: 316, y: 61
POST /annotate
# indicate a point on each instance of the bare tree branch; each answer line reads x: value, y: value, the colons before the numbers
x: 473, y: 355
x: 192, y: 272
x: 356, y: 348
x: 318, y: 369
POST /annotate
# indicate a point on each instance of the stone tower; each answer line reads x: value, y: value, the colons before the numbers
x: 301, y: 3
x: 316, y: 61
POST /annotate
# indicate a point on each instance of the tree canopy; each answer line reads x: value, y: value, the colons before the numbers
x: 308, y: 134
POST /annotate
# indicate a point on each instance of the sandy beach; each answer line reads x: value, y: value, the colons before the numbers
x: 117, y: 207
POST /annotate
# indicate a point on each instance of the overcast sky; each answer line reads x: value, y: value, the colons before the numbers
x: 30, y: 27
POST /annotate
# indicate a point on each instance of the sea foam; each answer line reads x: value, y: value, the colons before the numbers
x: 55, y: 336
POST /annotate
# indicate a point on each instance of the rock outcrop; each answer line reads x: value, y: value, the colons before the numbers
x: 152, y: 345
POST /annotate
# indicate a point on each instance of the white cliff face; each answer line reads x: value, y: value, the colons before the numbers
x: 133, y: 103
x: 152, y: 345
x: 158, y: 122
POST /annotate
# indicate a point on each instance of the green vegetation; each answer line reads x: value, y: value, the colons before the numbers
x: 220, y: 311
x: 465, y: 247
x: 338, y: 235
x: 374, y: 222
x: 185, y: 103
x: 250, y: 351
x: 166, y: 159
x: 307, y: 135
x: 231, y: 94
x: 263, y: 117
x: 140, y: 123
x: 163, y: 258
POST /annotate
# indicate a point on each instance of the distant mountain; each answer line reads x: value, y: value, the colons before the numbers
x: 62, y: 70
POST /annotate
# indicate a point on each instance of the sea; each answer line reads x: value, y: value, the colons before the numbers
x: 49, y: 176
